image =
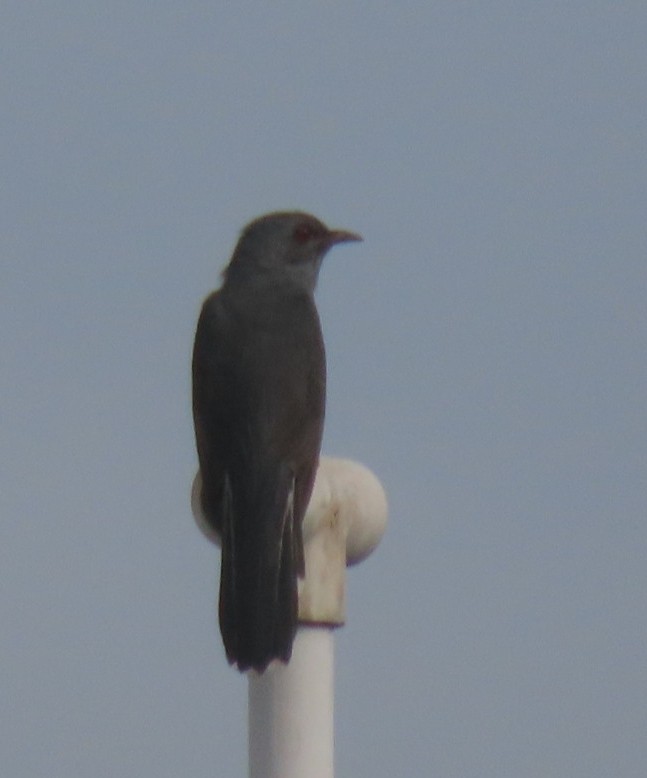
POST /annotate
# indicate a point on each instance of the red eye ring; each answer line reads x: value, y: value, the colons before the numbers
x: 305, y: 232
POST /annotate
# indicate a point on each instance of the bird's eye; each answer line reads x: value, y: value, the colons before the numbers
x: 305, y: 232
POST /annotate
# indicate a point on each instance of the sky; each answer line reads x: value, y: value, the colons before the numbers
x: 486, y: 359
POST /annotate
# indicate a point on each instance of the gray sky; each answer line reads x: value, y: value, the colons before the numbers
x: 486, y: 349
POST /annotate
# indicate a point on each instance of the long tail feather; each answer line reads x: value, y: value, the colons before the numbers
x: 260, y: 563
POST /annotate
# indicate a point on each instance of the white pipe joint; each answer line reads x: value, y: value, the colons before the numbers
x: 345, y: 521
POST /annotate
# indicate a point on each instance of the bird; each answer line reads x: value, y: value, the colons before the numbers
x: 259, y: 392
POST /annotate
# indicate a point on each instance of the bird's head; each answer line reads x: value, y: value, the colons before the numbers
x: 291, y: 244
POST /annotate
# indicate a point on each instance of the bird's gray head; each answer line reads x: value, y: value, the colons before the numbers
x: 288, y: 245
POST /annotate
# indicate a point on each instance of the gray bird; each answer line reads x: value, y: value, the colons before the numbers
x: 259, y: 383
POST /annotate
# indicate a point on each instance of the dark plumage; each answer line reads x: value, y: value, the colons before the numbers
x: 258, y: 404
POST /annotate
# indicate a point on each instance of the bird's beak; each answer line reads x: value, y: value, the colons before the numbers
x: 341, y: 236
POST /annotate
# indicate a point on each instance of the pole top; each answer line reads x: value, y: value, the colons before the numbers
x: 344, y: 523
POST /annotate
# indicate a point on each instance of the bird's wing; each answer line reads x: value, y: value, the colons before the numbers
x: 209, y: 400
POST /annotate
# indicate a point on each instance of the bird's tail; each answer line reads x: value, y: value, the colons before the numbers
x: 262, y: 555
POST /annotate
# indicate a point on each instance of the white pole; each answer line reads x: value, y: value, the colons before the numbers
x: 291, y: 706
x: 291, y: 711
